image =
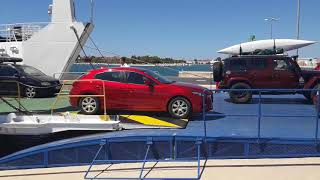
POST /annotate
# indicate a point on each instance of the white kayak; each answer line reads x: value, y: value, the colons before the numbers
x: 284, y: 44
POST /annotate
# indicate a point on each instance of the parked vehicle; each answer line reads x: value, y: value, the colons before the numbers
x: 30, y: 81
x: 137, y: 89
x: 263, y: 72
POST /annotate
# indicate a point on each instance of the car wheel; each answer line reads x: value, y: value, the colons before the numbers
x: 30, y: 92
x: 179, y: 107
x: 89, y: 105
x: 240, y: 96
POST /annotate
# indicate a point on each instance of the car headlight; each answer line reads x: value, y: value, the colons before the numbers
x: 45, y: 84
x: 197, y: 93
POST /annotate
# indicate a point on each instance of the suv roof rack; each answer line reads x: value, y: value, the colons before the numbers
x: 10, y: 59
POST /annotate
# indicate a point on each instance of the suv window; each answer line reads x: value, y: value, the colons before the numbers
x: 238, y: 64
x: 280, y: 64
x: 7, y: 71
x: 135, y: 78
x: 109, y: 76
x: 259, y: 63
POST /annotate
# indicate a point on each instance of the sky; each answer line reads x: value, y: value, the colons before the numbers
x: 184, y: 29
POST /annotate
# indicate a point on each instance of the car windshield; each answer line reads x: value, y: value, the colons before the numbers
x: 31, y: 71
x: 159, y: 77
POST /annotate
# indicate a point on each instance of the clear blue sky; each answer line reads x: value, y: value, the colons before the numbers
x: 180, y: 28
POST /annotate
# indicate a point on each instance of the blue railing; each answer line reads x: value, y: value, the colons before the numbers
x: 145, y: 148
x: 259, y: 114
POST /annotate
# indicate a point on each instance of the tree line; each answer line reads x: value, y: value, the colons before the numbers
x: 130, y: 60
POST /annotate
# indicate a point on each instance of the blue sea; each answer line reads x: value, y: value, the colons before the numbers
x: 162, y: 70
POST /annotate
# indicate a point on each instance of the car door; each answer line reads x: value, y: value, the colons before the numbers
x: 283, y: 75
x: 259, y: 73
x: 115, y: 89
x: 8, y: 81
x: 141, y: 95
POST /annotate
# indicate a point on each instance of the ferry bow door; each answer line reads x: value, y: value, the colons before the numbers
x: 115, y: 89
x: 283, y: 75
x: 142, y: 96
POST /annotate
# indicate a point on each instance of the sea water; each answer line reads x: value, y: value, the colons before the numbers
x: 162, y: 70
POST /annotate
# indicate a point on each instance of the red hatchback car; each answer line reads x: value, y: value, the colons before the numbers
x: 137, y: 89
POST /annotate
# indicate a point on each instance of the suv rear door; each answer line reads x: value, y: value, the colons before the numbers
x: 259, y: 73
x: 283, y: 76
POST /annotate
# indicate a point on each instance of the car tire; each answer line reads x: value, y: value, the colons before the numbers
x: 240, y: 97
x: 30, y: 92
x: 179, y: 107
x: 89, y: 105
x: 217, y: 71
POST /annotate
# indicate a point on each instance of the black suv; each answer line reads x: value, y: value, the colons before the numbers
x: 32, y: 82
x: 263, y: 72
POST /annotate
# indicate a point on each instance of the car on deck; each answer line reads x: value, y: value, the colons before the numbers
x: 264, y: 72
x: 137, y: 89
x: 25, y: 80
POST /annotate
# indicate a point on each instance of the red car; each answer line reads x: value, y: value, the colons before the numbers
x: 137, y: 89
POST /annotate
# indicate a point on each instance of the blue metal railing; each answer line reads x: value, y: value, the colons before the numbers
x: 259, y: 114
x: 198, y: 143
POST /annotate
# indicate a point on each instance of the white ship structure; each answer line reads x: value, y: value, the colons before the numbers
x: 51, y: 47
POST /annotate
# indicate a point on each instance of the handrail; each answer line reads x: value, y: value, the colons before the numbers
x: 259, y: 114
x: 64, y: 82
x: 61, y: 73
x: 18, y: 88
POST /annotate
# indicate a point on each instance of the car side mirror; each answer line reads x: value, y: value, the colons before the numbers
x: 148, y: 82
x: 17, y: 75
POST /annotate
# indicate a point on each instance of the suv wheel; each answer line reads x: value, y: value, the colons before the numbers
x: 89, y: 105
x: 30, y: 92
x: 179, y: 107
x: 240, y: 96
x: 217, y: 71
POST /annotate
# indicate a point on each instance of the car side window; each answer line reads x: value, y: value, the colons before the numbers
x: 238, y: 65
x: 280, y: 64
x: 135, y: 78
x: 114, y: 76
x: 7, y: 71
x: 259, y: 63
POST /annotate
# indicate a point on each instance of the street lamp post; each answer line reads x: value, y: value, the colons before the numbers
x: 271, y: 20
x: 298, y: 24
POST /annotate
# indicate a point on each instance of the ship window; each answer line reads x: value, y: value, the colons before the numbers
x: 110, y: 76
x: 238, y: 65
x: 135, y: 78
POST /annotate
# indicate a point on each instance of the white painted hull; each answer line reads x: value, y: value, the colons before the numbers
x: 47, y: 124
x: 285, y: 44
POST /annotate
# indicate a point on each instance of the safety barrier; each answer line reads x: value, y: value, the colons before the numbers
x: 259, y: 114
x: 66, y: 82
x: 67, y: 73
x: 173, y: 145
x: 18, y: 95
